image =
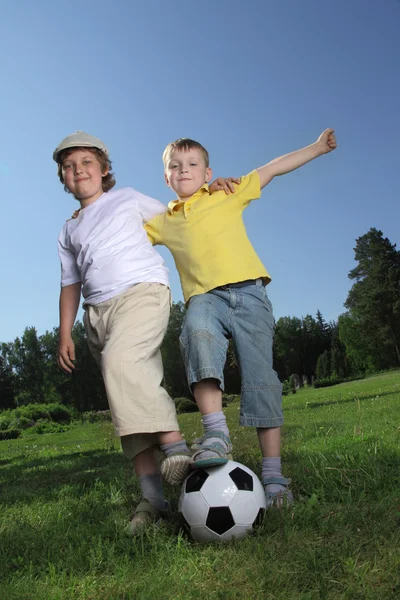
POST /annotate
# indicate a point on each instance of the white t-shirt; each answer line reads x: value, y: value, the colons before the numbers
x: 106, y: 247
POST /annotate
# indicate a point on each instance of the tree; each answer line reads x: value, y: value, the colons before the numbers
x: 288, y: 344
x: 374, y: 299
x: 340, y: 365
x: 298, y: 343
x: 6, y: 386
x: 323, y: 369
x: 174, y: 372
x: 25, y: 358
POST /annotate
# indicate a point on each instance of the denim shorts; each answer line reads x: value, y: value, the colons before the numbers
x: 245, y: 315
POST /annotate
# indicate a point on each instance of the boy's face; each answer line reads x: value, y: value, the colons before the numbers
x: 186, y: 172
x: 82, y: 175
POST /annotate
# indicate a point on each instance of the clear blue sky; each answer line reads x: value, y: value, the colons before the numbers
x: 250, y: 80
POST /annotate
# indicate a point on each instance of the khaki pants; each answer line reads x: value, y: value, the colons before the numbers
x: 124, y: 336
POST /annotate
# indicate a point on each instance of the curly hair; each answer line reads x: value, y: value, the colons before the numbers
x: 108, y: 181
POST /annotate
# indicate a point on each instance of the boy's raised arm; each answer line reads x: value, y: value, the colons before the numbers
x: 289, y: 162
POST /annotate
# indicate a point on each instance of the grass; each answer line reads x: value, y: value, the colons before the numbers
x: 66, y: 498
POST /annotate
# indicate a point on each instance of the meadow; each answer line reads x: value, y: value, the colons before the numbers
x: 66, y: 498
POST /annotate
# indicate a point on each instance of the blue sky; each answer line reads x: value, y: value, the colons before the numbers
x: 249, y: 80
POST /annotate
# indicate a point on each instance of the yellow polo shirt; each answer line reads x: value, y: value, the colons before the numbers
x: 208, y: 239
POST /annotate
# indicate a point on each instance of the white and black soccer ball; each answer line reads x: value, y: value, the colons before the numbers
x: 222, y: 502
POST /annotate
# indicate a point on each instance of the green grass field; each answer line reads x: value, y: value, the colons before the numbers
x: 66, y: 498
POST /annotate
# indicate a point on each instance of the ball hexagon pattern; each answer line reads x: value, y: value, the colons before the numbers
x: 222, y: 502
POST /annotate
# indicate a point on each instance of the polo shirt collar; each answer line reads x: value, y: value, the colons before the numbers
x: 176, y: 204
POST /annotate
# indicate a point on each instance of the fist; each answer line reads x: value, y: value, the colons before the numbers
x: 327, y: 141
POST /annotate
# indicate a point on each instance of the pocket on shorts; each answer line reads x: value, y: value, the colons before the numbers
x: 262, y: 294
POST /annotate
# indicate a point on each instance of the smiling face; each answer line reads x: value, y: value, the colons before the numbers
x: 83, y: 175
x: 186, y: 172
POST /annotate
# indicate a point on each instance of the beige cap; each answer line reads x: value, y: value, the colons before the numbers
x: 79, y: 139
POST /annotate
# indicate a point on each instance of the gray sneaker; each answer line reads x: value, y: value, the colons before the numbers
x: 145, y: 515
x: 176, y: 467
x: 280, y: 498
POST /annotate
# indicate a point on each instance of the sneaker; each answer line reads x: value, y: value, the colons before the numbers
x: 211, y: 453
x: 145, y: 515
x: 176, y: 467
x: 279, y: 498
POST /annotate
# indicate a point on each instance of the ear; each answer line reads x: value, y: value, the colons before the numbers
x: 166, y: 179
x: 208, y: 174
x: 105, y: 172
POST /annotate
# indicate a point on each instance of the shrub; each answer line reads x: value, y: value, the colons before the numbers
x: 327, y: 382
x: 34, y: 412
x: 5, y: 420
x: 59, y: 413
x: 96, y: 416
x: 229, y: 398
x: 293, y: 383
x: 184, y: 405
x: 320, y: 383
x: 285, y: 388
x: 21, y: 423
x: 47, y: 427
x: 10, y: 434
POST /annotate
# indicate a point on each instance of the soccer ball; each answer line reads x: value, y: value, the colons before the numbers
x: 222, y: 502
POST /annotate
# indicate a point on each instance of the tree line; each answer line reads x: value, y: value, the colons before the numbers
x: 365, y: 338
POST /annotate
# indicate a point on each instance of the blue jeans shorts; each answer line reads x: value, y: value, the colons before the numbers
x: 242, y: 312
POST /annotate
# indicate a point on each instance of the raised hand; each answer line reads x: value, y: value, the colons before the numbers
x: 327, y: 141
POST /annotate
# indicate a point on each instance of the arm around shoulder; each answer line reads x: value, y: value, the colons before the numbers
x: 289, y: 162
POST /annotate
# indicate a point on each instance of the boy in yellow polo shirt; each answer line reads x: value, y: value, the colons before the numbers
x: 223, y: 283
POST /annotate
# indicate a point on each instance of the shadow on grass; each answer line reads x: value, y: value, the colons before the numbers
x: 83, y: 530
x: 44, y: 478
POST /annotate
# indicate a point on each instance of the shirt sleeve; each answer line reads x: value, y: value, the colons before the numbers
x: 69, y: 269
x: 249, y: 188
x: 152, y: 228
x: 149, y: 207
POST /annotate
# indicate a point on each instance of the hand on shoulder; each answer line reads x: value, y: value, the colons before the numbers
x: 225, y: 184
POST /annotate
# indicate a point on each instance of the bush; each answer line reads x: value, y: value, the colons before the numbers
x: 229, y: 398
x: 286, y: 388
x: 327, y: 382
x: 184, y: 405
x: 59, y: 413
x: 47, y: 427
x: 34, y: 412
x: 10, y: 434
x: 96, y: 416
x: 25, y: 417
x: 21, y: 423
x: 5, y: 420
x: 293, y: 379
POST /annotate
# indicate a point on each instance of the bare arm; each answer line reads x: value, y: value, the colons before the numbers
x: 289, y: 162
x: 69, y: 303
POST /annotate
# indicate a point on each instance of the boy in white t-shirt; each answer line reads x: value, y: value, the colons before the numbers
x: 106, y: 256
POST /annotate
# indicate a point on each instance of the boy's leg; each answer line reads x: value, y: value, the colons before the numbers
x: 261, y: 395
x: 204, y: 345
x: 129, y: 331
x: 275, y: 485
x: 175, y: 467
x: 153, y: 505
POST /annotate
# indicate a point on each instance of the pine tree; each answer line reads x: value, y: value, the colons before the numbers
x: 374, y: 299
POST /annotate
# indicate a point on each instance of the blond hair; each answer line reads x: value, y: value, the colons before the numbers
x: 185, y: 144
